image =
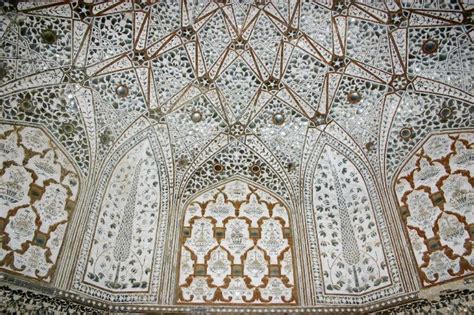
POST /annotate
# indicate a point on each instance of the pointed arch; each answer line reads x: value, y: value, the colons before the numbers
x: 122, y: 251
x: 236, y: 246
x: 351, y: 257
x: 236, y: 159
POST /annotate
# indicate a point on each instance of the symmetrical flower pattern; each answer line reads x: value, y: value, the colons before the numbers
x: 200, y: 129
x: 236, y: 248
x: 436, y: 197
x: 38, y: 193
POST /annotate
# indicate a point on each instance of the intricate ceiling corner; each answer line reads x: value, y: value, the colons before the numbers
x: 237, y: 156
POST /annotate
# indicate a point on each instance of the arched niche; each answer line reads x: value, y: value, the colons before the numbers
x: 351, y: 259
x: 122, y: 252
x: 236, y: 247
x: 38, y: 193
x: 435, y: 193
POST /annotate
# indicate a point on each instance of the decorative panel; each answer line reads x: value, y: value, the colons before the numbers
x: 159, y: 105
x: 351, y: 256
x: 128, y: 217
x: 38, y: 192
x: 436, y: 198
x: 236, y: 247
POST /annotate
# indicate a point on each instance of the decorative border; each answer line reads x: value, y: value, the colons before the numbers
x: 28, y: 298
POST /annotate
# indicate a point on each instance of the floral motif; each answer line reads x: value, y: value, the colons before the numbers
x: 10, y: 150
x: 220, y: 210
x: 276, y: 291
x: 423, y: 214
x: 52, y: 206
x: 237, y: 291
x: 438, y: 207
x: 255, y: 266
x: 201, y: 240
x: 45, y: 168
x: 218, y: 266
x: 21, y: 227
x: 272, y: 240
x: 452, y: 233
x: 14, y: 187
x: 344, y: 211
x: 35, y: 204
x: 239, y: 245
x: 139, y: 113
x: 198, y: 291
x: 122, y: 251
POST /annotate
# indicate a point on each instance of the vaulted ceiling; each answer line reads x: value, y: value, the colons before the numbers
x: 222, y: 156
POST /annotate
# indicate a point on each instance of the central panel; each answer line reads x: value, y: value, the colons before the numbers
x: 236, y: 247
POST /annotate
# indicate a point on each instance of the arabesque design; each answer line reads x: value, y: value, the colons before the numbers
x: 236, y: 248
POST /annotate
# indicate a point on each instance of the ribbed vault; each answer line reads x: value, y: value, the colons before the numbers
x: 221, y: 156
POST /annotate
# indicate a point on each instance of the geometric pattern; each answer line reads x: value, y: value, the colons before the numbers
x: 236, y: 248
x: 38, y: 193
x: 436, y: 197
x: 340, y: 114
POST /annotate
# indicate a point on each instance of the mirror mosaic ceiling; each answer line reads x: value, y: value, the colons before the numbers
x: 223, y: 156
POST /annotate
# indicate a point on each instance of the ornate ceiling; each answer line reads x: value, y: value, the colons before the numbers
x: 235, y: 156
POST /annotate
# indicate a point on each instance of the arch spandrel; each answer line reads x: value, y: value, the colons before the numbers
x: 236, y: 159
x: 48, y: 107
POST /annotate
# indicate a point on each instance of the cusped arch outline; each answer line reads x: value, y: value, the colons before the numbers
x: 248, y: 228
